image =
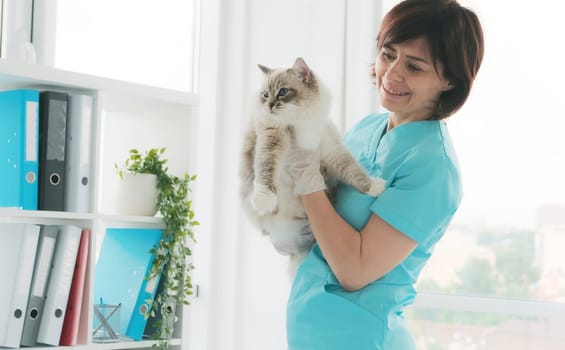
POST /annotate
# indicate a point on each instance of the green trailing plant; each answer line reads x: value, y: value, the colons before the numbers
x: 172, y: 253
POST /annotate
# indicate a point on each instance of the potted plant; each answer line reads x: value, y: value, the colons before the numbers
x: 136, y: 194
x: 173, y: 251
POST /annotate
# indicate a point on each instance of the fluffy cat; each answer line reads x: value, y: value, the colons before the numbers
x: 292, y: 106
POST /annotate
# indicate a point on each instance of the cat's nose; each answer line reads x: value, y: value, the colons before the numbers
x: 271, y: 105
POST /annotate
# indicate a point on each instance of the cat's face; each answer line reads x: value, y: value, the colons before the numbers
x: 284, y: 90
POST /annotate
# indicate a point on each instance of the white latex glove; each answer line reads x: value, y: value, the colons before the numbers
x: 294, y: 243
x: 304, y: 167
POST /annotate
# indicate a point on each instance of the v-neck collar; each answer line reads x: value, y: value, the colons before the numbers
x: 382, y: 138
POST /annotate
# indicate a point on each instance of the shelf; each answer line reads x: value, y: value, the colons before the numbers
x: 45, y: 217
x: 127, y: 221
x: 15, y: 74
x: 143, y: 344
x: 44, y: 214
x: 125, y: 115
x: 85, y: 219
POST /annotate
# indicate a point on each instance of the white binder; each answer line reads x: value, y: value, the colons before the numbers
x: 77, y: 171
x: 59, y: 285
x: 17, y: 256
x: 41, y: 271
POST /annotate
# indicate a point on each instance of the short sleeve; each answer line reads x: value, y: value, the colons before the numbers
x: 422, y: 199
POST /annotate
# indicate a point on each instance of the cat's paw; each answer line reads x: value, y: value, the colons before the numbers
x: 263, y: 200
x: 377, y: 186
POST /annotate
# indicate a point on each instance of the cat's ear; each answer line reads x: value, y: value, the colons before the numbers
x: 302, y: 70
x: 264, y: 69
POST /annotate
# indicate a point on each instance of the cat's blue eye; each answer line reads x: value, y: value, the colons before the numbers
x: 282, y: 92
x: 265, y: 94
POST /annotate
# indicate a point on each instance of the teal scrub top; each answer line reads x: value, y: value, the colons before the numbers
x: 423, y: 191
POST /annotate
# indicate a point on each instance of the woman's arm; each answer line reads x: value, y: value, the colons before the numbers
x: 356, y: 258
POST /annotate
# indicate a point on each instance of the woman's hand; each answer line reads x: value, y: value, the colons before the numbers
x: 304, y: 167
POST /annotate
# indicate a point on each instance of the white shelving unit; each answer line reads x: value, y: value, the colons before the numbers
x: 126, y: 116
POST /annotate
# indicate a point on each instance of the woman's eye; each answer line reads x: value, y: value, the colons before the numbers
x: 282, y: 92
x: 265, y: 94
x: 387, y: 56
x: 413, y: 68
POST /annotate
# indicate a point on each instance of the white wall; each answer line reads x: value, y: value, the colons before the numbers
x: 243, y: 281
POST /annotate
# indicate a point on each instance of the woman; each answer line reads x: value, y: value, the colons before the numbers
x: 350, y: 291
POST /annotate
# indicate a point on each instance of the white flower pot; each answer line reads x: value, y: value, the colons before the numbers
x: 136, y: 194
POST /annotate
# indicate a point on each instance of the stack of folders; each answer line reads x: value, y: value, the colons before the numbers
x: 45, y: 140
x: 46, y: 265
x: 121, y: 276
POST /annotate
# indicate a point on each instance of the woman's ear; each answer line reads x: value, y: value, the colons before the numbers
x: 448, y: 86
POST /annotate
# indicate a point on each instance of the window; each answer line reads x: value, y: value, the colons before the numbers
x: 504, y: 248
x: 121, y: 39
x: 133, y: 40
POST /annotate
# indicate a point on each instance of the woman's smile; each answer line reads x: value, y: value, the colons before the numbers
x: 394, y: 92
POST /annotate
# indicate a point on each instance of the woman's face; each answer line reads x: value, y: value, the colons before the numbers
x: 407, y: 81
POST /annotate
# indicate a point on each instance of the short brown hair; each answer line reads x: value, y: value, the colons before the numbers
x: 454, y: 35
